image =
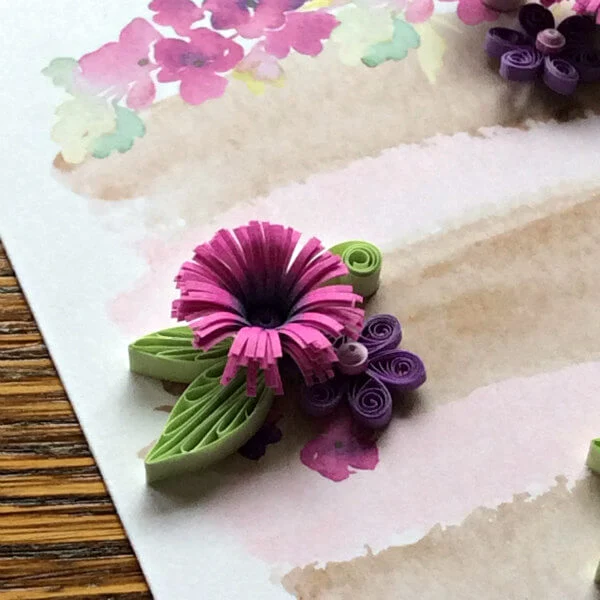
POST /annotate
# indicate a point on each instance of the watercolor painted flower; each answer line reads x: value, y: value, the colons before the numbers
x: 359, y: 29
x: 122, y: 69
x: 81, y: 122
x: 256, y: 447
x: 178, y: 14
x: 413, y: 11
x: 474, y: 12
x: 303, y: 31
x: 339, y: 449
x: 259, y: 68
x: 128, y: 126
x: 198, y: 64
x: 251, y: 18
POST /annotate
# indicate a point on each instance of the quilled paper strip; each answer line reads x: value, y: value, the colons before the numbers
x: 364, y: 265
x: 169, y: 355
x: 209, y: 422
x: 593, y: 459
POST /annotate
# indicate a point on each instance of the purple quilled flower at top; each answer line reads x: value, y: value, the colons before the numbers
x: 562, y: 55
x: 370, y: 372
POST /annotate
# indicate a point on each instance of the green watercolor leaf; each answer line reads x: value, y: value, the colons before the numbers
x: 403, y: 39
x: 209, y: 422
x: 62, y: 72
x: 128, y: 127
x: 169, y: 355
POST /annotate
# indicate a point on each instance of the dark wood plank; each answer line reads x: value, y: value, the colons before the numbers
x: 60, y: 537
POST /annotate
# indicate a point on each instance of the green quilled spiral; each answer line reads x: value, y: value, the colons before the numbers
x: 363, y: 260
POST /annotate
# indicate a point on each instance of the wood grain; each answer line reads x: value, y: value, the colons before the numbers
x: 60, y: 536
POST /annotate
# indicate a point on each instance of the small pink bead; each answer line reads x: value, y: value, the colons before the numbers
x: 353, y: 357
x: 550, y: 41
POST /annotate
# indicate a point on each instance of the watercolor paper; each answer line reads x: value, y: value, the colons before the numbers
x: 484, y: 198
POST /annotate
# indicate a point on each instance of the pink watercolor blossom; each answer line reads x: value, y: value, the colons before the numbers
x: 341, y: 446
x: 250, y: 18
x: 474, y: 12
x: 418, y: 11
x: 123, y: 68
x: 244, y: 284
x: 303, y: 31
x: 262, y: 65
x: 588, y: 7
x: 178, y: 14
x: 197, y: 64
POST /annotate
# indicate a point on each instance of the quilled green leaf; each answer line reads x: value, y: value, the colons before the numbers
x: 209, y: 422
x: 169, y: 354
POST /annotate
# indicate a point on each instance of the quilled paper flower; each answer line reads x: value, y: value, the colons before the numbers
x: 252, y: 296
x: 561, y: 55
x: 246, y: 285
x: 370, y: 373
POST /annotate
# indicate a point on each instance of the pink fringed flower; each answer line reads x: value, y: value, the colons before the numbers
x: 244, y: 284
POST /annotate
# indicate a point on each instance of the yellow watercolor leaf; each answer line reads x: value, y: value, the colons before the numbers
x: 316, y: 4
x: 256, y: 86
x: 431, y: 51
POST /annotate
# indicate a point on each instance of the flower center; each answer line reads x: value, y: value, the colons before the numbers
x: 338, y: 444
x: 143, y: 62
x: 266, y: 317
x: 550, y: 41
x: 353, y: 357
x: 193, y: 59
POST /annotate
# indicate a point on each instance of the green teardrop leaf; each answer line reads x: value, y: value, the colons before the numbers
x: 209, y: 422
x: 169, y: 354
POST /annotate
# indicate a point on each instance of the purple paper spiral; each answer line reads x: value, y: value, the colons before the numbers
x: 500, y: 40
x: 399, y: 370
x: 380, y: 333
x: 321, y: 399
x: 578, y: 31
x: 370, y: 402
x: 560, y: 76
x: 524, y: 64
x: 535, y: 18
x: 587, y: 63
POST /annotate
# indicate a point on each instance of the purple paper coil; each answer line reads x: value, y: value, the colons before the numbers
x: 321, y: 399
x: 587, y: 63
x: 380, y: 333
x: 560, y: 75
x: 399, y: 370
x: 578, y: 31
x: 370, y: 402
x: 500, y: 40
x: 535, y: 18
x: 524, y: 64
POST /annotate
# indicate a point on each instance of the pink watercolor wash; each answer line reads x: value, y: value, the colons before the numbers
x: 123, y: 68
x: 425, y: 476
x: 474, y: 12
x: 339, y: 449
x: 178, y: 14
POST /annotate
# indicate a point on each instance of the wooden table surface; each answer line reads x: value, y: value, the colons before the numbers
x: 59, y: 534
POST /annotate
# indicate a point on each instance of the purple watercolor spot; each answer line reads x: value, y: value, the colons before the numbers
x: 341, y: 447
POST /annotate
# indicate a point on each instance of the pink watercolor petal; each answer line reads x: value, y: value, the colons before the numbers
x: 473, y: 12
x: 196, y: 89
x: 419, y: 11
x: 178, y: 14
x: 303, y: 31
x: 142, y: 94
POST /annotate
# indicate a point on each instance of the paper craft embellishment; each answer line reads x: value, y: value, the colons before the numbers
x: 562, y: 56
x: 251, y: 297
x: 371, y: 371
x: 593, y: 459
